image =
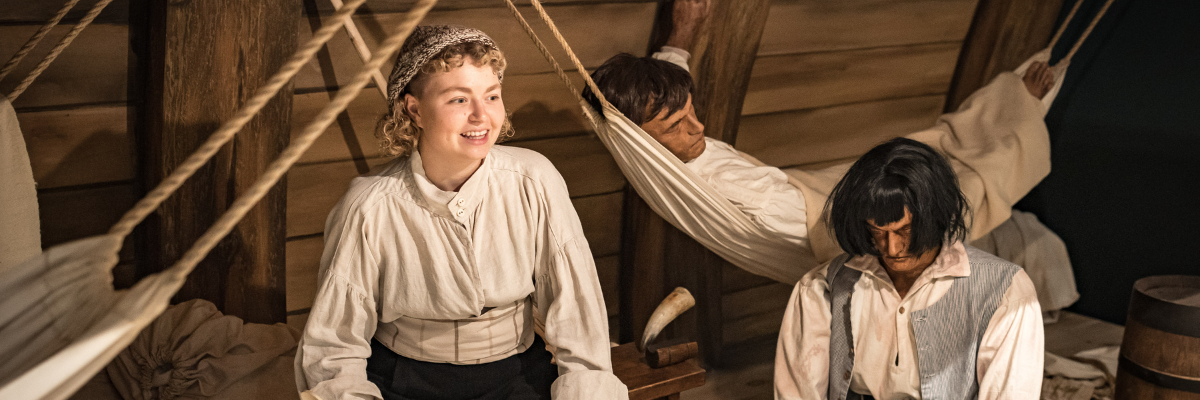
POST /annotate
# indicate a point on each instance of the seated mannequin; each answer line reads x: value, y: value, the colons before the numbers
x: 910, y: 311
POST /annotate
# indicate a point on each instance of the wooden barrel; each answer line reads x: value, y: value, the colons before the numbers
x: 1160, y: 354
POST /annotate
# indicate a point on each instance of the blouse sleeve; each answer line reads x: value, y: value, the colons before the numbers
x: 331, y: 359
x: 802, y: 355
x: 1012, y: 352
x: 569, y: 300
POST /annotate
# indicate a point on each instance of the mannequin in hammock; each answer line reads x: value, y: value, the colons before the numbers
x: 656, y: 93
x: 437, y: 263
x: 910, y: 311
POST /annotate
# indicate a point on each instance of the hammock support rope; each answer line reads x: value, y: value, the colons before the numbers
x: 37, y: 37
x: 58, y: 49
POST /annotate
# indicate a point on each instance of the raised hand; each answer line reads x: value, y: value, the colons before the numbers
x: 687, y: 17
x: 1038, y: 79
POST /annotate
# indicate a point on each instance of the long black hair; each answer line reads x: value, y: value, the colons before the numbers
x: 900, y: 173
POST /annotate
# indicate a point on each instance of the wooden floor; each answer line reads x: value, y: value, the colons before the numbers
x: 747, y: 373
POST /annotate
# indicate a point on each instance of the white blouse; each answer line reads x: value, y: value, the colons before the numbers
x: 397, y: 249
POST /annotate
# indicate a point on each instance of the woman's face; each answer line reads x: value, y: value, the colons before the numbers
x: 460, y: 113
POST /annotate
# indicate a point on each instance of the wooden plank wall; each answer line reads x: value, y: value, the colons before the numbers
x: 832, y: 79
x: 545, y: 115
x: 74, y: 120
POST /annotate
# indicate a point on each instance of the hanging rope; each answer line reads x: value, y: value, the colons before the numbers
x: 292, y: 153
x: 361, y: 46
x: 1087, y: 31
x: 231, y: 127
x: 537, y: 5
x: 542, y: 48
x: 58, y: 49
x: 37, y: 37
x: 1082, y: 37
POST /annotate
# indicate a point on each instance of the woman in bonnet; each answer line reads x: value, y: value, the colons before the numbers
x: 437, y: 264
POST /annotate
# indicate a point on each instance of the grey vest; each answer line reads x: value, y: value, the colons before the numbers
x: 947, y: 333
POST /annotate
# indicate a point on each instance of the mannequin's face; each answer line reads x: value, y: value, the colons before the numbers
x: 681, y: 132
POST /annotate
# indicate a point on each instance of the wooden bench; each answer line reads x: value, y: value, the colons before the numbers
x: 654, y: 383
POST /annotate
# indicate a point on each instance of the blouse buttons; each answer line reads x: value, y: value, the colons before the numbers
x: 460, y: 202
x: 902, y: 310
x: 460, y: 212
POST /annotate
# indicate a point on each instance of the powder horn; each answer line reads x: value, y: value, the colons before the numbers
x: 676, y: 303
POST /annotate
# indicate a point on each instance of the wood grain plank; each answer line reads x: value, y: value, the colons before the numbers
x: 1004, y: 33
x: 91, y: 70
x: 607, y: 269
x: 78, y: 146
x: 754, y: 313
x: 74, y: 213
x: 803, y: 26
x: 795, y: 82
x: 540, y: 107
x: 579, y: 24
x: 601, y: 219
x: 834, y: 133
x: 734, y: 279
x: 314, y: 189
x: 38, y: 12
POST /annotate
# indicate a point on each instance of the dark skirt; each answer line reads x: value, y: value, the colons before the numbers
x: 523, y: 376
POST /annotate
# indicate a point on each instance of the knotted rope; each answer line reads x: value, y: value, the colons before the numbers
x: 292, y: 153
x: 37, y: 37
x: 58, y: 49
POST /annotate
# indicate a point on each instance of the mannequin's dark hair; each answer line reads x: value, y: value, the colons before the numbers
x: 640, y: 87
x: 900, y: 173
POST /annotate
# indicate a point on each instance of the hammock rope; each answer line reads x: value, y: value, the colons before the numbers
x: 58, y: 49
x: 231, y: 127
x: 361, y: 47
x: 537, y: 5
x: 542, y: 48
x: 37, y: 37
x: 292, y: 153
x: 1082, y: 37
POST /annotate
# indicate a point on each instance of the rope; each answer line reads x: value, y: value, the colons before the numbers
x: 1063, y: 28
x: 563, y: 42
x: 231, y: 127
x: 58, y: 49
x: 363, y: 52
x: 1087, y: 31
x: 542, y: 48
x: 37, y: 37
x: 297, y: 148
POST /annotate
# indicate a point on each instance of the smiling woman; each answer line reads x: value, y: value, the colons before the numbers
x: 437, y: 264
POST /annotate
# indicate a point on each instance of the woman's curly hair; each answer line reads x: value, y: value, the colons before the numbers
x: 396, y: 132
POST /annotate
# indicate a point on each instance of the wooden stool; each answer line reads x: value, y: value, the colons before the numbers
x: 653, y: 383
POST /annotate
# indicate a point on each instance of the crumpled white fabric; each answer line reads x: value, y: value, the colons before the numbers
x: 20, y: 226
x: 1027, y: 242
x: 193, y: 350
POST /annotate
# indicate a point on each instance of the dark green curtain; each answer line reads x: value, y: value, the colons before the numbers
x: 1125, y: 138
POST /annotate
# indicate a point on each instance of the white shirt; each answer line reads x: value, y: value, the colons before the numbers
x: 396, y: 246
x: 1008, y: 362
x: 761, y: 192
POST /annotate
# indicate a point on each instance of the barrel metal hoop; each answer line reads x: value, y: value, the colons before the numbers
x: 1157, y: 378
x: 1163, y: 315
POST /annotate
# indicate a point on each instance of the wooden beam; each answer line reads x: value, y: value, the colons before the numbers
x: 656, y: 257
x: 1003, y: 34
x: 206, y: 59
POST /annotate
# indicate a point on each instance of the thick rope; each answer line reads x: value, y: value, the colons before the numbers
x: 231, y: 127
x: 361, y: 46
x: 1087, y: 31
x: 1063, y: 28
x: 566, y: 47
x: 542, y: 48
x: 37, y: 37
x: 58, y: 49
x: 292, y: 153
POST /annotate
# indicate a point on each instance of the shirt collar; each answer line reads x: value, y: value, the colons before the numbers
x: 454, y: 205
x: 950, y: 262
